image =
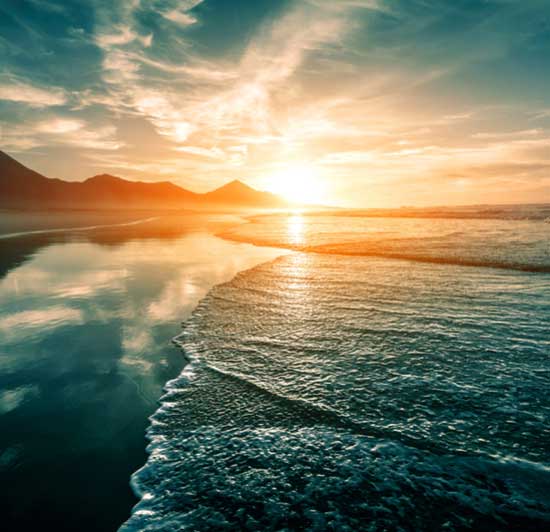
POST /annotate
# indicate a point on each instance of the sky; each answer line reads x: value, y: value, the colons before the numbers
x: 374, y: 103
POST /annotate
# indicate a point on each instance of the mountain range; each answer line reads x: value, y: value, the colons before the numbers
x: 21, y: 187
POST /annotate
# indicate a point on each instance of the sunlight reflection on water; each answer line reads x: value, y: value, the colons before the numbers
x: 516, y: 244
x: 295, y: 229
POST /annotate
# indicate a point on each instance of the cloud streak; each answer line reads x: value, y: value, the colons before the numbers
x: 15, y: 90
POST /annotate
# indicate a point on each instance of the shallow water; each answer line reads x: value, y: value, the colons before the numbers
x: 86, y: 320
x: 336, y: 392
x: 498, y: 243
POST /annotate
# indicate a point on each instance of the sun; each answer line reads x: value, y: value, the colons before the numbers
x: 298, y: 183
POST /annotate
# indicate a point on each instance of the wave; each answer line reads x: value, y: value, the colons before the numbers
x: 319, y: 401
x: 310, y: 413
x: 481, y: 243
x: 357, y: 249
x: 352, y: 250
x: 321, y: 479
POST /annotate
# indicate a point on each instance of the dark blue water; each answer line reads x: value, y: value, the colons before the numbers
x: 86, y: 322
x: 334, y: 392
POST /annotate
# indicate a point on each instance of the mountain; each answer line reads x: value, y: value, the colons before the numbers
x: 21, y: 187
x: 19, y: 184
x: 108, y: 190
x: 237, y: 193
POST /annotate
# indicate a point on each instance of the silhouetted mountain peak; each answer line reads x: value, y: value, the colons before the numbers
x: 237, y: 193
x: 234, y: 186
x: 12, y: 172
x: 104, y: 179
x: 22, y: 187
x: 7, y: 162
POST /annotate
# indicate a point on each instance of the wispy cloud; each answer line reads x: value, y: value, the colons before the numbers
x: 213, y: 153
x: 181, y: 15
x: 246, y: 101
x: 60, y: 126
x: 61, y: 130
x: 116, y: 36
x: 540, y: 114
x: 15, y: 90
x: 517, y: 135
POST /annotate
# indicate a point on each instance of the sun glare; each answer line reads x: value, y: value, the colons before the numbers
x: 299, y: 184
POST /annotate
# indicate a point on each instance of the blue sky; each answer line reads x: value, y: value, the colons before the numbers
x: 370, y: 102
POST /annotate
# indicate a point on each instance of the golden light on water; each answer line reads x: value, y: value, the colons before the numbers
x: 295, y: 229
x: 298, y: 183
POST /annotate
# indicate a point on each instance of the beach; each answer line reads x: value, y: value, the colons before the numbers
x: 86, y: 323
x: 327, y: 376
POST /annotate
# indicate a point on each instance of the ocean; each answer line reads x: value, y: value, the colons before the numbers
x: 332, y: 372
x: 388, y: 374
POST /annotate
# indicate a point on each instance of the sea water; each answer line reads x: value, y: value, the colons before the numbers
x: 390, y: 374
x: 86, y: 319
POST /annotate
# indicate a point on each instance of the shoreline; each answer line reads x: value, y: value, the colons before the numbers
x: 73, y: 229
x: 166, y: 257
